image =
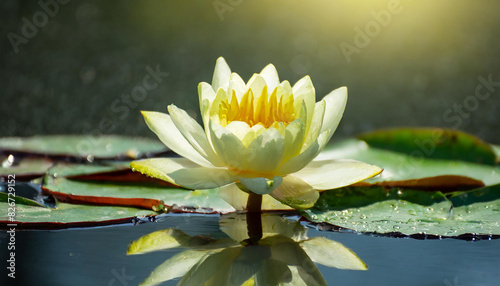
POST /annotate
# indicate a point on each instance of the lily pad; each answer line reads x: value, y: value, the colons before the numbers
x: 71, y: 215
x: 64, y: 169
x: 109, y: 171
x: 204, y: 201
x: 382, y: 211
x: 434, y: 143
x: 86, y: 147
x: 444, y: 184
x: 24, y: 169
x: 399, y: 166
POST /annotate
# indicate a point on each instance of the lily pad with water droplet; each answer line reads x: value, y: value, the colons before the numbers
x: 382, y: 211
x: 23, y: 169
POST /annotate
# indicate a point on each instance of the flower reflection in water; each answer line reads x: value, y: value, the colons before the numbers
x: 278, y: 252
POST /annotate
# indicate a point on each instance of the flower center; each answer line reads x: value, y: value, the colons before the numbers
x: 266, y: 110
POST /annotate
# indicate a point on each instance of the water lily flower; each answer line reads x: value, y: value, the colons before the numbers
x: 260, y: 137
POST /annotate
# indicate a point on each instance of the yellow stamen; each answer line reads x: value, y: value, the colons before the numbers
x: 265, y: 109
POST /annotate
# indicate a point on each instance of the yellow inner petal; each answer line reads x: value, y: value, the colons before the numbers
x: 266, y: 110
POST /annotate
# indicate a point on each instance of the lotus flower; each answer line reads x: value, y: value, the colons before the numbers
x: 259, y: 137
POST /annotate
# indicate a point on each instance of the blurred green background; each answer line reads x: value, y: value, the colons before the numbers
x: 68, y: 68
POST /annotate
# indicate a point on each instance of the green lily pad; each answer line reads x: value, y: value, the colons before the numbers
x: 67, y: 215
x: 201, y: 200
x: 400, y: 166
x: 62, y: 169
x: 378, y: 210
x: 434, y: 143
x: 83, y: 146
x: 24, y: 169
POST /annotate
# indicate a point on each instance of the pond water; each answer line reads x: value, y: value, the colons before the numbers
x: 97, y: 256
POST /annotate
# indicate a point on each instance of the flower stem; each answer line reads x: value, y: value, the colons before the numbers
x: 254, y: 220
x: 254, y: 203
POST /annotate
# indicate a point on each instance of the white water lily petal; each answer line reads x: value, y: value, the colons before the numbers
x: 284, y: 88
x: 270, y: 74
x: 332, y: 254
x: 194, y: 134
x: 238, y: 199
x: 261, y: 186
x: 220, y: 96
x: 254, y: 132
x: 237, y: 85
x: 163, y: 126
x: 184, y: 173
x: 228, y: 146
x: 239, y: 128
x: 294, y: 139
x: 332, y: 174
x: 316, y: 124
x: 296, y: 193
x: 206, y: 96
x: 334, y: 109
x: 222, y: 73
x: 256, y: 84
x: 303, y: 86
x: 304, y: 90
x: 298, y: 162
x: 265, y: 152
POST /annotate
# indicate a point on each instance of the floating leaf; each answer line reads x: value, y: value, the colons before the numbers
x: 434, y: 143
x: 24, y: 169
x: 379, y: 210
x: 205, y: 201
x: 444, y: 184
x: 398, y: 166
x: 85, y: 147
x: 70, y: 215
x: 64, y: 169
x: 141, y: 203
x: 121, y: 176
